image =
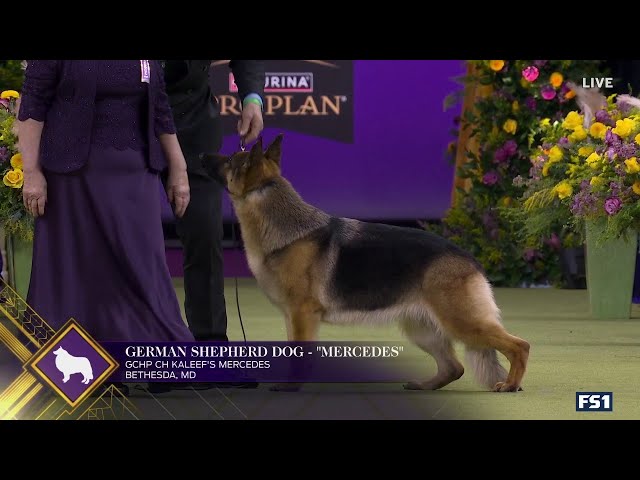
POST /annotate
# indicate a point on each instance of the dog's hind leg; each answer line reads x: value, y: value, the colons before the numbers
x: 437, y: 345
x: 473, y: 317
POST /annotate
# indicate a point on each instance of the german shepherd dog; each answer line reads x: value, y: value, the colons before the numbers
x: 318, y: 268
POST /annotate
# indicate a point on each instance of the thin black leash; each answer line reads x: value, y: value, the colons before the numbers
x: 235, y: 245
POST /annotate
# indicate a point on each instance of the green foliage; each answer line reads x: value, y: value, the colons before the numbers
x: 11, y: 74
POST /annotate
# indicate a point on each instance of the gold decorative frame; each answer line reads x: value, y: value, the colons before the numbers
x: 23, y: 398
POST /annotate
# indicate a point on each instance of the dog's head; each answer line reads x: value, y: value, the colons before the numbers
x: 59, y: 351
x: 244, y: 172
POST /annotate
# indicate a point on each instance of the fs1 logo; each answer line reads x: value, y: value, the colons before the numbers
x: 594, y: 401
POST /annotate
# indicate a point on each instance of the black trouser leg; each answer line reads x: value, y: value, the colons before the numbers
x: 200, y: 231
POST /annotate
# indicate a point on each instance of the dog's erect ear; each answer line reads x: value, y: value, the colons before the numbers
x: 274, y: 150
x: 255, y: 155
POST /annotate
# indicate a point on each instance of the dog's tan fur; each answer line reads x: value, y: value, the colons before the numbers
x: 454, y: 302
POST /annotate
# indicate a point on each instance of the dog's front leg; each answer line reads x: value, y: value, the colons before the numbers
x: 302, y: 326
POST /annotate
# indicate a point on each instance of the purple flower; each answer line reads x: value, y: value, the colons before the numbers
x: 490, y: 178
x: 540, y: 63
x: 615, y: 188
x: 548, y: 92
x: 602, y: 116
x: 547, y: 145
x: 620, y: 170
x: 612, y: 205
x: 511, y: 147
x: 610, y: 138
x: 530, y: 103
x: 627, y: 150
x: 4, y: 102
x: 584, y: 202
x: 611, y: 154
x: 563, y: 142
x: 500, y: 155
x: 585, y: 185
x: 4, y: 154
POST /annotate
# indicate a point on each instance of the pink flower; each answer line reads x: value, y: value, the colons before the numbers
x: 548, y: 92
x: 530, y: 73
x: 4, y: 102
x: 554, y: 241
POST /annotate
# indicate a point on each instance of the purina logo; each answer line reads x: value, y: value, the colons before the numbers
x: 282, y: 82
x: 314, y: 97
x: 594, y: 401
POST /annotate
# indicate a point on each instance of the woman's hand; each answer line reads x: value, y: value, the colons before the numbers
x: 178, y: 189
x: 34, y: 192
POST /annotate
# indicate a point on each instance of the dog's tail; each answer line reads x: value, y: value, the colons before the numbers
x: 485, y: 366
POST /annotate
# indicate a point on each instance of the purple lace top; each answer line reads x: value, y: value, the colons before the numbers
x: 95, y: 102
x: 120, y: 119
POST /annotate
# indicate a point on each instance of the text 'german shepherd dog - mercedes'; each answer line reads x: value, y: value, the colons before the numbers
x: 317, y: 268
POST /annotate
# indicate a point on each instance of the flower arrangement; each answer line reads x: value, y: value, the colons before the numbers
x: 586, y: 169
x: 13, y: 216
x: 512, y: 97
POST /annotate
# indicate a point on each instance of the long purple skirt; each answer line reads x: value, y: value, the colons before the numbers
x: 98, y: 253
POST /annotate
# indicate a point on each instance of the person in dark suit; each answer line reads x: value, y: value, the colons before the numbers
x: 197, y: 118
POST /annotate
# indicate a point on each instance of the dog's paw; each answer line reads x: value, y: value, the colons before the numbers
x: 507, y: 387
x: 286, y: 387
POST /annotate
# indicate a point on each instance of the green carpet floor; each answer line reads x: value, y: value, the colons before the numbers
x: 569, y: 352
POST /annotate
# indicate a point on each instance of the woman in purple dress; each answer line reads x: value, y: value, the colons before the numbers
x: 94, y: 134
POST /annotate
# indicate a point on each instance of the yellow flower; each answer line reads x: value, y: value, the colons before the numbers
x: 496, y: 65
x: 598, y: 130
x: 16, y: 161
x: 545, y: 122
x: 545, y: 168
x: 524, y: 83
x: 632, y: 165
x: 555, y: 154
x: 14, y: 178
x: 506, y: 201
x: 636, y: 187
x: 624, y: 127
x: 515, y: 106
x: 572, y: 121
x: 556, y: 79
x: 578, y: 134
x: 9, y: 94
x: 563, y: 190
x: 510, y: 126
x: 585, y: 151
x: 596, y: 181
x: 637, y: 139
x: 593, y: 159
x: 570, y: 94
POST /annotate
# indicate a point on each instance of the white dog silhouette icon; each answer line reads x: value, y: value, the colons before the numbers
x: 68, y: 365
